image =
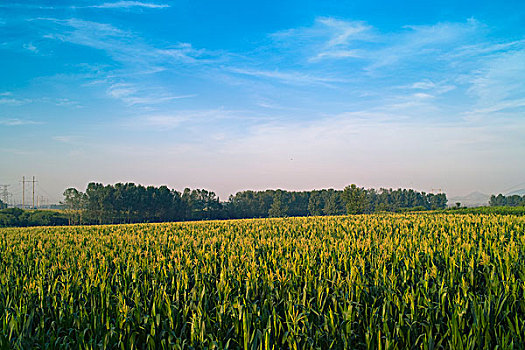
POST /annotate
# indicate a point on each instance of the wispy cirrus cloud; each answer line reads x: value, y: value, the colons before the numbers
x: 428, y: 86
x: 15, y: 5
x: 102, y: 5
x: 497, y: 88
x: 13, y: 101
x: 484, y: 48
x: 30, y: 47
x: 129, y: 4
x: 331, y: 38
x: 415, y: 43
x: 289, y: 77
x: 341, y: 96
x: 423, y: 85
x: 431, y: 60
x: 68, y: 139
x: 135, y: 57
x: 169, y: 121
x: 121, y: 45
x: 328, y: 38
x: 18, y: 122
x: 8, y: 99
x: 499, y: 77
x: 133, y: 95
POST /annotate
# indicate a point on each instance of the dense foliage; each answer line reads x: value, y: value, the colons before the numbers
x: 364, y: 282
x: 22, y: 218
x: 509, y: 210
x: 127, y: 203
x: 510, y: 201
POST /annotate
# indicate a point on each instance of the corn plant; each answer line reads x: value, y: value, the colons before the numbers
x: 385, y: 281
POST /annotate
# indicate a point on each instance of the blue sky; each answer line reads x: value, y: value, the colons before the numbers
x: 240, y: 95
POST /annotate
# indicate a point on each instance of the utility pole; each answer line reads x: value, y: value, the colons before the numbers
x: 34, y: 192
x: 40, y: 202
x: 5, y: 193
x: 23, y: 192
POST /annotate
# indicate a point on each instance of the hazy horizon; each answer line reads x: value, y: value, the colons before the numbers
x: 234, y: 96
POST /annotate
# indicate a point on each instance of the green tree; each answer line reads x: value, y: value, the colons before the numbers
x: 315, y: 204
x: 355, y: 199
x: 75, y: 204
x: 278, y: 208
x: 333, y: 204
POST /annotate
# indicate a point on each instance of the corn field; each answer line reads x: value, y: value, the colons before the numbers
x: 385, y: 281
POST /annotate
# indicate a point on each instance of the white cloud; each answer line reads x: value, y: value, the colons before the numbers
x: 133, y: 95
x: 27, y: 6
x: 337, y: 54
x: 87, y: 33
x: 484, y: 48
x: 499, y: 78
x: 344, y: 31
x: 153, y: 99
x: 31, y: 47
x: 422, y: 96
x: 12, y: 101
x: 290, y: 77
x: 65, y: 102
x: 184, y: 52
x: 497, y: 107
x: 328, y: 38
x: 335, y: 39
x: 121, y: 90
x: 423, y: 85
x: 431, y: 87
x: 417, y: 43
x: 129, y: 4
x: 18, y: 122
x: 69, y: 139
x: 125, y: 47
x: 189, y: 118
x: 105, y: 5
x: 136, y: 57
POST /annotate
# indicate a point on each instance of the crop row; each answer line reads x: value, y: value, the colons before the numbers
x: 387, y: 281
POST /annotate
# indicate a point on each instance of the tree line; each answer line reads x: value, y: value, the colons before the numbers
x: 16, y: 217
x: 130, y: 203
x: 507, y: 201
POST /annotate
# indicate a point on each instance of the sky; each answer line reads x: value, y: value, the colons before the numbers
x: 235, y: 95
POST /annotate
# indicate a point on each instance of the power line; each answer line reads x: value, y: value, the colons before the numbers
x: 40, y: 188
x: 24, y: 191
x: 33, y: 192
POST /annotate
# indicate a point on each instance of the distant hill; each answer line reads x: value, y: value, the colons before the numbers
x: 474, y: 199
x: 520, y: 192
